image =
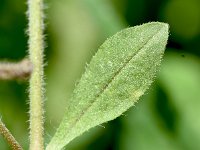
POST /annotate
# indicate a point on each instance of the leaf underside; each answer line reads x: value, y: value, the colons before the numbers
x: 120, y: 72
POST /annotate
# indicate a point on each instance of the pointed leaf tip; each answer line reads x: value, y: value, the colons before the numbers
x: 121, y: 71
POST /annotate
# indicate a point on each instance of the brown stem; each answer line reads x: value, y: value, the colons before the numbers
x: 19, y: 70
x: 9, y: 137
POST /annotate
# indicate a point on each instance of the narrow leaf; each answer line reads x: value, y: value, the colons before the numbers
x: 120, y: 72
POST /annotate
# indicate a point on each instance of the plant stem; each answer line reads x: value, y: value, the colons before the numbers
x: 19, y: 70
x: 36, y: 46
x: 9, y: 137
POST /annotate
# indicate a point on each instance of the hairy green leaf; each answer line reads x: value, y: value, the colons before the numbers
x: 120, y: 72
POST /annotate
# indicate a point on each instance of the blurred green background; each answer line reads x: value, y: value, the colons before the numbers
x: 166, y: 117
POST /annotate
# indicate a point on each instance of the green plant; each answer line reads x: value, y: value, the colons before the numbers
x: 119, y: 73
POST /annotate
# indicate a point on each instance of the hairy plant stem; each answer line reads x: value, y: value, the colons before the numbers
x: 36, y: 46
x: 19, y: 70
x: 9, y: 137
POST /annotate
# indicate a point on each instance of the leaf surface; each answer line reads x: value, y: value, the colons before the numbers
x: 120, y: 72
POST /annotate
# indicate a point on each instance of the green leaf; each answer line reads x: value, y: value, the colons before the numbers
x: 120, y: 72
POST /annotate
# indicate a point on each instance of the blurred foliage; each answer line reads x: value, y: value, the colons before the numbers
x: 165, y: 118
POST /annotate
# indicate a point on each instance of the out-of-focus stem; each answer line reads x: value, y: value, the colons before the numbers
x: 19, y: 70
x: 9, y: 137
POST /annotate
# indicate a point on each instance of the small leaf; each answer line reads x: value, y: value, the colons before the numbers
x: 120, y: 72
